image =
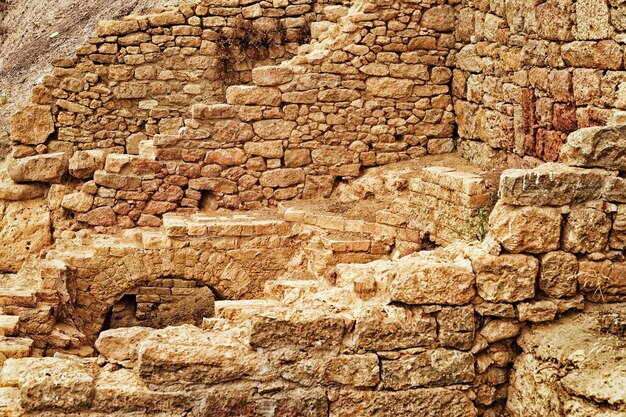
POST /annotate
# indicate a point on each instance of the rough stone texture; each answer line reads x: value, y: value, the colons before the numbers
x: 586, y: 230
x: 24, y: 231
x: 48, y: 168
x: 558, y: 274
x: 423, y: 402
x: 120, y: 345
x: 506, y: 278
x: 32, y: 125
x: 430, y: 282
x: 586, y: 371
x: 551, y: 184
x: 526, y: 229
x: 596, y: 147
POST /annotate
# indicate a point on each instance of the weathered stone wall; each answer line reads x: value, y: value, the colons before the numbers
x: 371, y: 89
x: 530, y: 72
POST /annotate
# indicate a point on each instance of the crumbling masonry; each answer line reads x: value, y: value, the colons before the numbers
x: 403, y: 209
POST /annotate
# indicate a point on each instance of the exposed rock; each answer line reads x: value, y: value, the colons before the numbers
x: 120, y: 345
x: 506, y: 278
x: 526, y: 229
x: 596, y: 147
x: 551, y: 185
x: 48, y: 168
x: 574, y: 366
x: 32, y: 124
x: 432, y: 282
x: 586, y: 230
x: 24, y: 232
x: 18, y: 192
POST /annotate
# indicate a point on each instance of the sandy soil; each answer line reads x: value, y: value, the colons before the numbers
x: 40, y: 30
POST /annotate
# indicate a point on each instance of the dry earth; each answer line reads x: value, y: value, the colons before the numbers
x: 41, y: 30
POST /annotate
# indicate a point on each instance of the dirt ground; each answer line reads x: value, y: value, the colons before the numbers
x: 38, y: 31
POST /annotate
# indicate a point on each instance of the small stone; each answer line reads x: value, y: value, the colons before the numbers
x: 102, y: 216
x: 537, y: 311
x: 79, y: 202
x: 497, y: 330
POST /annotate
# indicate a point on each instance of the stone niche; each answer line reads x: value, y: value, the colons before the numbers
x: 162, y: 302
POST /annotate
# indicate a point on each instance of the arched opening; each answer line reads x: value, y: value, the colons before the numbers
x: 162, y: 302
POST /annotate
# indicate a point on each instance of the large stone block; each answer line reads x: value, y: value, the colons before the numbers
x: 182, y: 356
x: 558, y: 274
x: 505, y: 278
x: 602, y: 147
x: 48, y: 168
x: 391, y: 327
x: 551, y: 185
x: 439, y: 367
x: 57, y: 384
x: 24, y: 231
x: 605, y: 54
x: 271, y: 75
x: 432, y: 282
x: 282, y: 177
x: 439, y: 18
x: 586, y: 230
x: 592, y: 20
x: 32, y: 124
x: 254, y: 96
x: 120, y: 345
x: 83, y: 164
x: 603, y: 282
x: 526, y: 229
x: 273, y: 129
x: 389, y: 87
x: 433, y: 402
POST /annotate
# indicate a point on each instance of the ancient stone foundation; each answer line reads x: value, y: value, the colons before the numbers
x: 313, y: 208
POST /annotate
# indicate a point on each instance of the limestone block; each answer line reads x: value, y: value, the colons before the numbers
x: 32, y: 124
x: 603, y: 281
x: 557, y: 277
x: 586, y: 230
x: 79, y: 202
x: 351, y: 370
x: 212, y: 111
x: 497, y: 330
x: 166, y: 19
x: 602, y: 147
x: 432, y: 282
x: 554, y: 20
x: 24, y: 231
x: 271, y: 75
x: 295, y: 158
x: 592, y: 20
x: 59, y: 384
x: 439, y: 18
x: 48, y: 168
x: 252, y: 95
x: 298, y: 329
x: 537, y: 311
x: 527, y: 229
x: 267, y: 149
x: 120, y: 345
x: 227, y: 157
x: 551, y: 185
x: 83, y: 164
x: 439, y: 367
x: 282, y: 177
x: 117, y: 181
x: 429, y: 402
x: 272, y: 129
x: 389, y: 87
x: 606, y: 54
x: 101, y: 216
x: 392, y: 327
x: 185, y: 355
x: 117, y: 27
x: 505, y: 278
x: 18, y: 192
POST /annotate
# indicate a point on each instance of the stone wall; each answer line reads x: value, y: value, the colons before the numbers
x: 370, y: 89
x: 529, y: 73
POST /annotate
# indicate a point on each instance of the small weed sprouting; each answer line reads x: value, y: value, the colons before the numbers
x: 479, y: 224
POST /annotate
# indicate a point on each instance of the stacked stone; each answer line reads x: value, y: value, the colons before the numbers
x: 574, y: 213
x: 529, y: 74
x: 371, y: 90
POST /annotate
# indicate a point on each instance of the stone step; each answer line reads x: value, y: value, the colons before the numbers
x: 14, y: 347
x: 17, y: 297
x: 225, y: 224
x: 8, y: 325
